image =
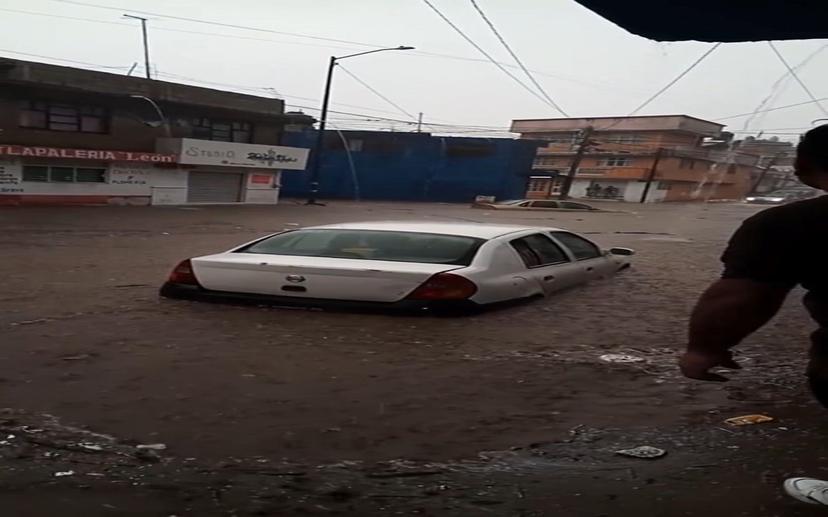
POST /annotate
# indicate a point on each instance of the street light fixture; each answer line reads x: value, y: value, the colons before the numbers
x: 316, y: 159
x: 160, y: 113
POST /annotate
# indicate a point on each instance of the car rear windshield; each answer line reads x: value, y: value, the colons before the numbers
x: 393, y: 246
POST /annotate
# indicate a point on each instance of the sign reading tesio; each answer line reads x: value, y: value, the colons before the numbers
x: 85, y: 154
x: 232, y: 154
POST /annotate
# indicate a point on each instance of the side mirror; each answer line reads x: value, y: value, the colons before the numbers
x: 622, y: 251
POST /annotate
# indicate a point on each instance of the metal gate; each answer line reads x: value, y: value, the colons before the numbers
x: 214, y: 187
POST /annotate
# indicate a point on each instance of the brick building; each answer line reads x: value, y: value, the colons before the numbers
x: 621, y: 156
x: 73, y: 136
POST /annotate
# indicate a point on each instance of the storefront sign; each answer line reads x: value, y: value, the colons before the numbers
x: 85, y: 154
x: 10, y: 178
x: 231, y: 154
x: 126, y: 175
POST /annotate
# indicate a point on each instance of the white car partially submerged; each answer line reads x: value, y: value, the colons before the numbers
x: 407, y: 265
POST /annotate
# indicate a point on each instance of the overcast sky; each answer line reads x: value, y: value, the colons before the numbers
x: 589, y: 66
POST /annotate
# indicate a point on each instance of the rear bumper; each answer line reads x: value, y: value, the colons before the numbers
x: 191, y: 292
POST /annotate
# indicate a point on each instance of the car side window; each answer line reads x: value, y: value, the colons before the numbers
x: 580, y: 247
x: 544, y: 204
x: 526, y: 203
x: 538, y: 250
x: 575, y: 206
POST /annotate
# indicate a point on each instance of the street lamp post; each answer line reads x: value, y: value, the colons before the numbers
x: 316, y: 158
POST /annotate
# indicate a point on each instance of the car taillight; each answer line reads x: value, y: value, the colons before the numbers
x: 183, y: 274
x: 444, y: 286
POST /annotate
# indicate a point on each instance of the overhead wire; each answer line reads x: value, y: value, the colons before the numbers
x: 482, y: 51
x: 675, y: 80
x: 796, y: 77
x: 375, y: 91
x: 773, y: 109
x: 516, y: 58
x: 416, y: 53
x: 219, y: 24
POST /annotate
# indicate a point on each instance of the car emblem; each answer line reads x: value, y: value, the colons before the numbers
x: 296, y: 279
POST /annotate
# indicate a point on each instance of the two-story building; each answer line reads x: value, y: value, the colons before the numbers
x: 73, y: 136
x: 625, y: 154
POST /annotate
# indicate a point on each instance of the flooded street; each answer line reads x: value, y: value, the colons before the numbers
x: 295, y: 412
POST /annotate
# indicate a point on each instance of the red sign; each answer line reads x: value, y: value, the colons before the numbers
x: 85, y: 154
x: 261, y: 178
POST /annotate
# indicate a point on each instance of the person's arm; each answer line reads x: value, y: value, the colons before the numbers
x: 729, y: 310
x: 760, y: 270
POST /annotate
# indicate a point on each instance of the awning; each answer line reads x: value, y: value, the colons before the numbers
x: 717, y: 20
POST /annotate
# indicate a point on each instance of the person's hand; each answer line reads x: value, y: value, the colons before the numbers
x: 697, y: 365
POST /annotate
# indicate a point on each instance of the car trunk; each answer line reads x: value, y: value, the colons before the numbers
x: 313, y: 277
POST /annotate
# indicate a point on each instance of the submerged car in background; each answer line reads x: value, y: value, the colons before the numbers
x: 537, y: 204
x: 781, y: 196
x: 406, y: 265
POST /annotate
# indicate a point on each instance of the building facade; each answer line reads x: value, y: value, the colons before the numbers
x: 392, y: 166
x: 626, y: 156
x: 72, y: 136
x: 775, y: 163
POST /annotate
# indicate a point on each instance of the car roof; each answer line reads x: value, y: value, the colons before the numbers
x: 478, y: 230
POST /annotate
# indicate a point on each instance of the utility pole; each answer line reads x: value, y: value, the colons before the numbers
x: 420, y: 122
x: 316, y: 155
x: 576, y: 161
x: 651, y: 175
x: 764, y: 171
x: 146, y: 43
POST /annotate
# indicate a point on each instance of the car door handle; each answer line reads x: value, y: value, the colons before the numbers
x: 589, y: 269
x: 548, y: 278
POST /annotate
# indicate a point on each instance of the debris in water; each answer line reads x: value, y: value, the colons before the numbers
x: 152, y: 446
x: 621, y: 358
x: 748, y: 420
x: 64, y: 473
x: 644, y: 451
x: 90, y: 446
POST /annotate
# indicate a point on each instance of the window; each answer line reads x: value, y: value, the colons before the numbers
x: 545, y: 161
x: 538, y: 250
x: 544, y: 204
x: 425, y: 248
x: 580, y: 247
x: 625, y: 139
x: 560, y: 138
x: 222, y: 131
x: 64, y: 174
x: 538, y: 184
x: 64, y: 117
x: 574, y: 206
x: 35, y: 173
x: 615, y: 161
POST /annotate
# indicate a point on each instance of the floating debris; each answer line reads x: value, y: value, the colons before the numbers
x: 621, y: 358
x: 64, y: 473
x: 644, y: 451
x: 152, y: 446
x: 748, y: 420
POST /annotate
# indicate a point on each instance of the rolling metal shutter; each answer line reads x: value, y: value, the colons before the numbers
x: 214, y: 187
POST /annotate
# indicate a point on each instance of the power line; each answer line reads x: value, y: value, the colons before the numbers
x: 375, y: 92
x: 796, y: 77
x: 516, y: 58
x: 40, y: 56
x: 488, y: 56
x: 674, y: 81
x: 774, y: 109
x: 419, y: 53
x: 220, y: 24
